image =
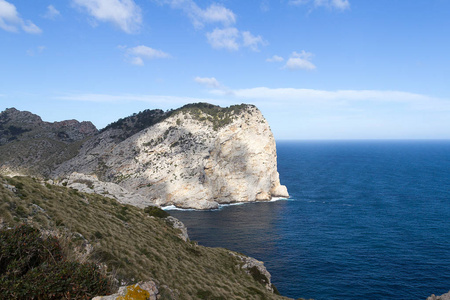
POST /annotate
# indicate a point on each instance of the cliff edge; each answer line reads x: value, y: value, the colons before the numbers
x: 197, y: 156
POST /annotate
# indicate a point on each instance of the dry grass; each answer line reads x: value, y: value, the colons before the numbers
x: 133, y: 245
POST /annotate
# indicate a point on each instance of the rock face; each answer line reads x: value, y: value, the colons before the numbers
x: 198, y: 156
x: 23, y: 125
x: 442, y: 297
x: 146, y: 290
x: 29, y: 145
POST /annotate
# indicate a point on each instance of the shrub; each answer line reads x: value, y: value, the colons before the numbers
x: 156, y: 212
x: 34, y: 267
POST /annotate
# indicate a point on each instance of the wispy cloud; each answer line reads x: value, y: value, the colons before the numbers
x: 156, y: 100
x: 33, y: 51
x: 12, y: 22
x: 216, y: 87
x: 232, y: 39
x: 344, y: 98
x: 51, y: 13
x: 251, y: 41
x: 275, y: 58
x: 215, y: 13
x: 224, y: 38
x: 123, y: 13
x: 138, y: 54
x: 210, y: 82
x: 300, y: 61
x: 331, y: 4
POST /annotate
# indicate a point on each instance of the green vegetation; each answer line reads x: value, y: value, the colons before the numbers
x: 133, y: 245
x: 157, y: 212
x: 35, y: 267
x: 218, y: 116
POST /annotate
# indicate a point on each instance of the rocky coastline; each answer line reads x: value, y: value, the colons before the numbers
x: 198, y: 156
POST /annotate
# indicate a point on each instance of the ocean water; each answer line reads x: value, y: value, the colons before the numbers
x: 366, y: 220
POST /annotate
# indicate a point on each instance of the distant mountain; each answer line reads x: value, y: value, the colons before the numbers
x: 29, y: 145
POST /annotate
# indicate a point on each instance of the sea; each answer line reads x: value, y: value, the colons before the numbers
x: 365, y: 220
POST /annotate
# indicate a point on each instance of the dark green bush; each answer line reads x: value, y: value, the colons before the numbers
x: 156, y: 212
x: 33, y: 267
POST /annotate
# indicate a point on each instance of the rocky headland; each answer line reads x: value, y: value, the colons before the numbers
x: 197, y: 156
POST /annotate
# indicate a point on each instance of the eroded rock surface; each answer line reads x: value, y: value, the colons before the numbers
x: 445, y: 296
x: 192, y: 158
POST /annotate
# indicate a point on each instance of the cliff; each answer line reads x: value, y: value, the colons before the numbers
x: 198, y: 156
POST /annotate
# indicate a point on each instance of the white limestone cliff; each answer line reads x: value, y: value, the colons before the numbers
x: 189, y: 159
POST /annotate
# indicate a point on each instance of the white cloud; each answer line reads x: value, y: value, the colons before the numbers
x: 300, y: 61
x: 51, y: 13
x: 275, y: 58
x: 345, y: 98
x: 147, y: 52
x: 332, y: 4
x: 224, y: 38
x: 138, y: 61
x: 216, y: 87
x: 232, y: 39
x: 252, y: 41
x: 210, y: 82
x: 123, y: 13
x: 11, y: 21
x: 136, y: 55
x: 161, y: 101
x: 215, y: 13
x: 227, y: 37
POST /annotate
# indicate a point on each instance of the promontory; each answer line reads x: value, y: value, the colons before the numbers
x: 197, y: 156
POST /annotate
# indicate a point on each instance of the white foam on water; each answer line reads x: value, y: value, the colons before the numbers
x: 274, y: 199
x: 173, y: 207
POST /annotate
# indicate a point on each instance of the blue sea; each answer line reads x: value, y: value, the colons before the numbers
x: 366, y: 220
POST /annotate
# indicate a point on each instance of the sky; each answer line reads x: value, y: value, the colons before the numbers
x: 317, y: 69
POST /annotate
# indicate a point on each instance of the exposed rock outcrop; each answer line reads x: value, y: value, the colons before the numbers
x: 256, y: 269
x: 445, y: 296
x: 177, y: 224
x: 144, y: 290
x: 195, y: 157
x: 90, y: 184
x: 198, y: 156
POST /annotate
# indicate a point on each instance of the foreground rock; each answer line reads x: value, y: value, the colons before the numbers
x: 144, y: 290
x: 442, y: 297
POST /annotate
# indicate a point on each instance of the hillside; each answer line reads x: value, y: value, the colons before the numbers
x: 29, y: 145
x: 132, y: 244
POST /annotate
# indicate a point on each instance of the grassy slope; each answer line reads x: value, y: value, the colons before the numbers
x: 133, y: 245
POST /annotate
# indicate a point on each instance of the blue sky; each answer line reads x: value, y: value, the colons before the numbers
x: 317, y: 69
